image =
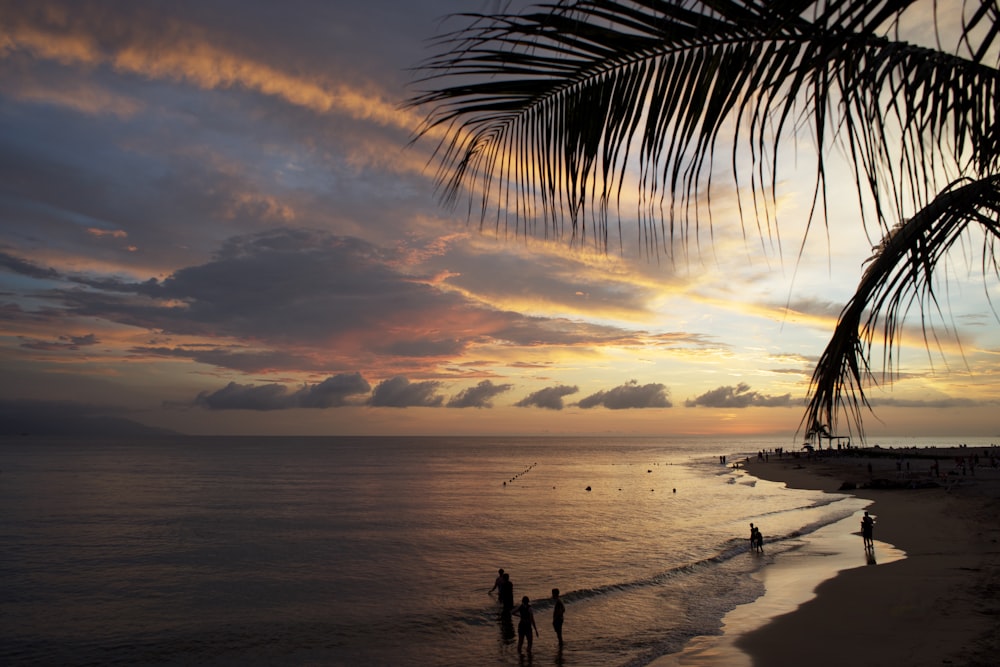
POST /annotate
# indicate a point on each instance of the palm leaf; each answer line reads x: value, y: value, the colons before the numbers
x: 549, y: 115
x: 898, y: 277
x: 543, y: 114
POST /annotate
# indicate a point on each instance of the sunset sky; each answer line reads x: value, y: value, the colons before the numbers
x: 212, y: 222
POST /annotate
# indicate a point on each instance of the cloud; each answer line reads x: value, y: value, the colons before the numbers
x: 237, y: 358
x: 479, y: 396
x: 333, y: 392
x: 161, y: 47
x: 26, y: 267
x: 629, y: 395
x: 63, y: 343
x: 739, y: 396
x: 550, y: 398
x: 247, y: 397
x: 290, y: 300
x: 296, y: 287
x: 399, y: 392
x: 944, y: 402
x: 336, y: 391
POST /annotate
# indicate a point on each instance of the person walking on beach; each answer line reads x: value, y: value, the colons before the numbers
x: 867, y: 528
x: 526, y: 624
x: 756, y: 540
x: 558, y: 612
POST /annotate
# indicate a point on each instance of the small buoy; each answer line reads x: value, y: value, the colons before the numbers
x: 588, y: 488
x: 675, y: 490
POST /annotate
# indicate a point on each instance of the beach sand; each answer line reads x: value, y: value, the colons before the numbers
x: 931, y: 597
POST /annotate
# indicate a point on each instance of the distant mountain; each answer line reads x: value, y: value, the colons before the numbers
x: 22, y: 417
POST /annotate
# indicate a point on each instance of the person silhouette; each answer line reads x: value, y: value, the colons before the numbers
x: 506, y: 594
x: 526, y: 624
x: 756, y: 539
x: 558, y: 613
x: 498, y: 581
x: 867, y: 528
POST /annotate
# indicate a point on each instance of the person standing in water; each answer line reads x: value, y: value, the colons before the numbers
x: 558, y: 612
x: 506, y: 594
x: 498, y: 582
x: 526, y: 624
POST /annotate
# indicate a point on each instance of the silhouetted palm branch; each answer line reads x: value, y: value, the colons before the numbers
x: 900, y: 275
x: 548, y: 116
x: 545, y: 112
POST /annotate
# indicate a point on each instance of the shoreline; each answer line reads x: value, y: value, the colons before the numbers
x: 929, y: 598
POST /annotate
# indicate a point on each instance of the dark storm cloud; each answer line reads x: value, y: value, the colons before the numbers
x: 479, y: 396
x: 629, y: 395
x: 550, y: 398
x: 739, y: 396
x: 334, y: 392
x: 399, y: 392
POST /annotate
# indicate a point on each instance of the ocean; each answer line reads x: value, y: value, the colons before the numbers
x: 379, y: 550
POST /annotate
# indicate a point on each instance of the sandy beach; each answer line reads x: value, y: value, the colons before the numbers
x: 929, y: 594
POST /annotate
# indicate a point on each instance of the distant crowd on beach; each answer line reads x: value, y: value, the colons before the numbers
x: 525, y: 613
x: 964, y: 463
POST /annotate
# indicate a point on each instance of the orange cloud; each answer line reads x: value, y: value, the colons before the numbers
x: 185, y: 53
x: 113, y: 233
x: 86, y: 99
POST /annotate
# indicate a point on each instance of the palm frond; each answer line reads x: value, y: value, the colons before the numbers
x: 898, y: 277
x: 544, y: 114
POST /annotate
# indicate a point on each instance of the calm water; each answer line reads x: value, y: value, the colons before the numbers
x: 377, y: 551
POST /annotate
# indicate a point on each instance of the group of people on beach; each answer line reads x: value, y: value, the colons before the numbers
x: 526, y: 615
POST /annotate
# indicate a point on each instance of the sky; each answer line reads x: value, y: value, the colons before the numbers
x: 212, y: 220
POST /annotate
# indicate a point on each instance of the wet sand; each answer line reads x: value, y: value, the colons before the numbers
x: 938, y: 605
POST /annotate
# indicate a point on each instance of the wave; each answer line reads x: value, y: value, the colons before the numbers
x: 721, y: 554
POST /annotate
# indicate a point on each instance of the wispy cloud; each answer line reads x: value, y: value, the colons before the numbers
x: 146, y: 44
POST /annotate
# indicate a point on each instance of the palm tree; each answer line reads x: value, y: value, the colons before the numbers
x: 548, y: 115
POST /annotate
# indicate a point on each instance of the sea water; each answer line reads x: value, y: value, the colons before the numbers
x: 379, y: 550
